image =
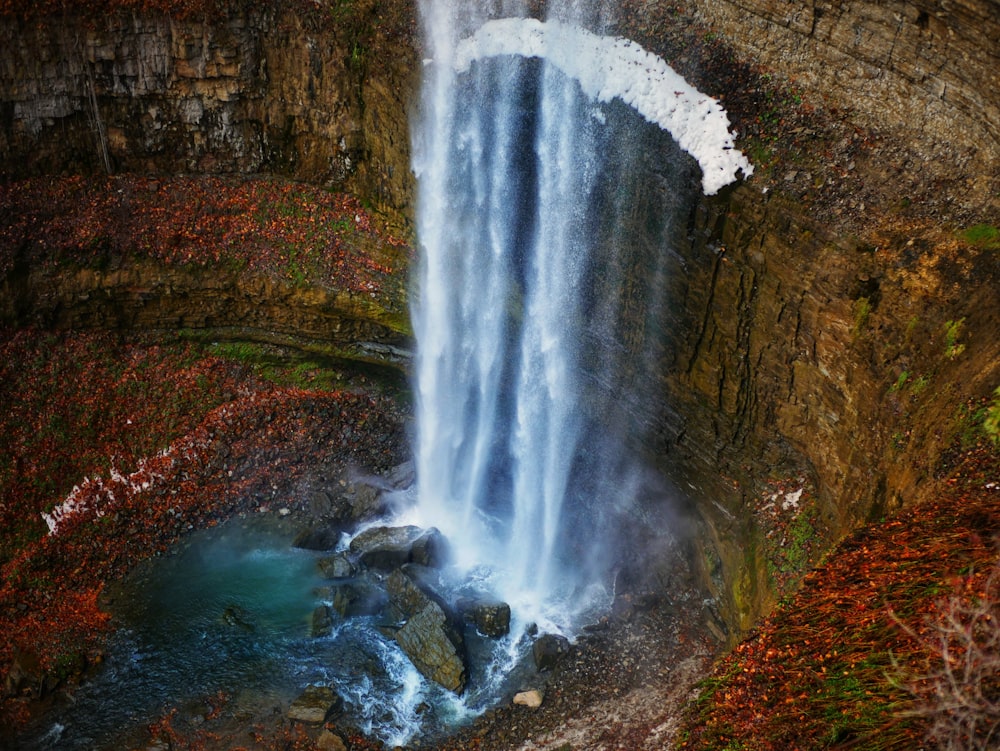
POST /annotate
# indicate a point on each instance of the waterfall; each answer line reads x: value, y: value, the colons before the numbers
x: 504, y: 162
x: 526, y: 291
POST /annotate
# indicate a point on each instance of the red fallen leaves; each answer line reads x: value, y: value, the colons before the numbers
x: 76, y: 404
x: 292, y: 232
x: 236, y: 443
x: 827, y: 667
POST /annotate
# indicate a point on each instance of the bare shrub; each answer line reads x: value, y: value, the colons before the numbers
x: 958, y: 690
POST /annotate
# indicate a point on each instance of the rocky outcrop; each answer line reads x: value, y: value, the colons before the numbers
x: 796, y: 352
x: 265, y: 90
x: 548, y: 650
x: 314, y: 705
x: 388, y: 548
x: 490, y: 617
x: 143, y: 295
x: 804, y: 301
x: 929, y: 69
x: 428, y: 634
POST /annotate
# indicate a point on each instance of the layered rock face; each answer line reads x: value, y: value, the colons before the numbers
x: 818, y: 366
x: 259, y: 92
x: 147, y: 296
x: 930, y: 69
x: 825, y: 338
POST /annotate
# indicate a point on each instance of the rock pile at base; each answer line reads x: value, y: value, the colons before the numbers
x: 391, y: 572
x: 428, y: 634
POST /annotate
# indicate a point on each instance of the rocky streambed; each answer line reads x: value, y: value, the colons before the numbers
x: 324, y: 618
x: 623, y: 677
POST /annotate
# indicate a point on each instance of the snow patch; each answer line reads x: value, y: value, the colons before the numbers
x: 97, y: 495
x: 791, y: 500
x: 614, y: 67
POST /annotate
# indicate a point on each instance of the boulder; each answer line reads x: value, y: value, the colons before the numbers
x: 429, y: 641
x: 237, y: 616
x: 24, y: 675
x: 365, y: 501
x: 320, y: 504
x: 384, y: 548
x: 430, y: 549
x: 349, y: 503
x: 490, y: 617
x: 388, y: 548
x: 337, y: 566
x: 319, y: 537
x: 322, y: 622
x: 333, y: 508
x: 314, y: 705
x: 353, y: 597
x: 548, y: 650
x: 344, y: 597
x: 327, y: 741
x: 532, y: 698
x: 428, y: 636
x: 402, y: 476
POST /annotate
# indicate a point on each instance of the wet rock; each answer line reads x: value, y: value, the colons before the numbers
x: 320, y: 537
x: 532, y: 698
x: 384, y: 548
x: 314, y: 705
x: 322, y: 505
x: 358, y: 596
x: 548, y: 650
x: 388, y: 548
x: 322, y: 622
x: 430, y: 549
x: 365, y: 501
x: 327, y: 741
x: 336, y: 566
x: 429, y: 641
x: 490, y: 617
x: 428, y: 635
x: 402, y: 476
x: 25, y: 674
x: 349, y: 503
x: 239, y: 617
x: 344, y: 597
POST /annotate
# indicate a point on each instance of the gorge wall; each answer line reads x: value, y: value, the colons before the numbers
x: 830, y: 323
x: 811, y: 343
x: 927, y: 69
x: 320, y: 97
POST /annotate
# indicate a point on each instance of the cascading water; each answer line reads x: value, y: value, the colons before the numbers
x: 505, y: 162
x: 523, y: 294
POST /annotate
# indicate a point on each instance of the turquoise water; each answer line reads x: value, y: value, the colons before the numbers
x: 230, y: 612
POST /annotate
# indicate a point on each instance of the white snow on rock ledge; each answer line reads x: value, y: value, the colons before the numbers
x: 610, y: 67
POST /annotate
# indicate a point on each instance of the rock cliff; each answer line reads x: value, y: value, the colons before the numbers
x: 831, y: 322
x: 930, y: 70
x: 322, y: 99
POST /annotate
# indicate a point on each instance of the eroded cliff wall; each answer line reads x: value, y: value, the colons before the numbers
x: 928, y: 69
x: 831, y: 323
x: 322, y: 99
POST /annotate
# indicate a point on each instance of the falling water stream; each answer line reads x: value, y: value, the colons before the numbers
x: 540, y: 287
